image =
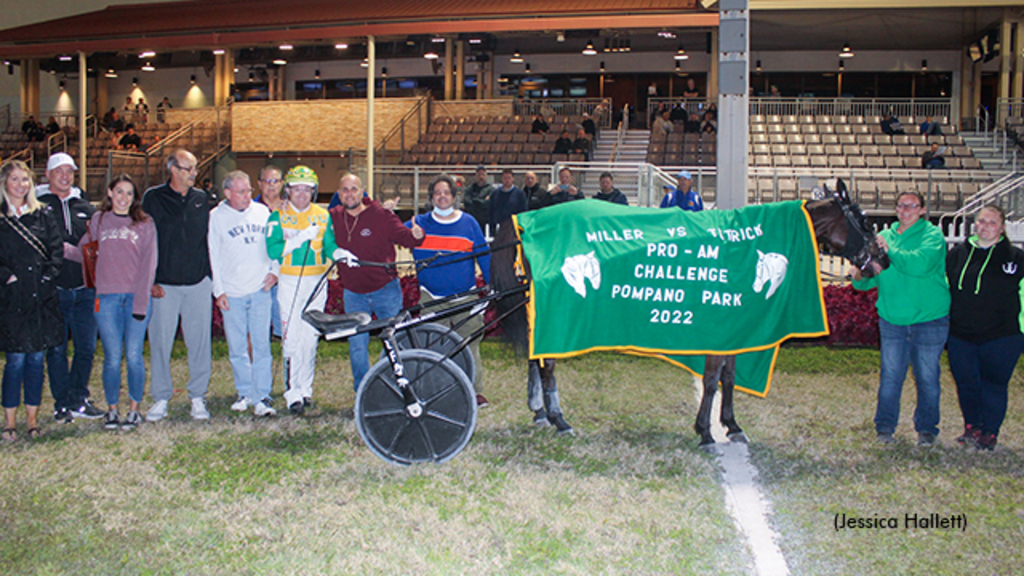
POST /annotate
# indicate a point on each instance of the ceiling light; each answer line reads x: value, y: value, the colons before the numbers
x: 148, y: 68
x: 316, y: 74
x: 475, y: 41
x: 111, y: 74
x: 607, y: 45
x: 384, y: 71
x: 560, y: 37
x: 602, y: 66
x: 65, y: 58
x: 842, y: 65
x: 667, y: 34
x: 431, y: 55
x: 285, y: 47
x: 147, y: 54
x: 924, y: 65
x: 589, y: 50
x: 758, y: 65
x: 218, y: 52
x: 61, y: 84
x: 341, y: 46
x: 527, y: 69
x: 251, y: 76
x: 192, y: 79
x: 235, y: 70
x: 846, y: 52
x: 365, y: 63
x: 135, y: 81
x: 280, y: 61
x: 437, y: 39
x: 516, y: 58
x: 681, y: 54
x: 628, y: 47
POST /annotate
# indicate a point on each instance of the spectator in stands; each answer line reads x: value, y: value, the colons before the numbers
x: 913, y: 309
x: 183, y: 287
x: 773, y: 92
x: 130, y: 140
x: 506, y: 200
x: 368, y: 232
x: 986, y: 279
x: 243, y: 275
x: 534, y: 193
x: 128, y: 110
x: 300, y: 236
x: 125, y: 270
x: 69, y: 385
x: 679, y: 115
x: 691, y: 89
x: 582, y: 144
x: 52, y: 127
x: 564, y: 143
x: 539, y: 125
x: 33, y: 129
x: 162, y: 108
x: 683, y: 196
x: 933, y: 158
x: 931, y: 128
x: 663, y: 125
x: 31, y: 256
x: 609, y: 193
x: 141, y: 111
x: 452, y: 233
x: 476, y: 199
x: 115, y: 124
x: 589, y: 127
x: 891, y: 125
x: 708, y: 125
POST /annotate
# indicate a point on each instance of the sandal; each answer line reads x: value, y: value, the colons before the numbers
x: 10, y: 435
x: 34, y: 433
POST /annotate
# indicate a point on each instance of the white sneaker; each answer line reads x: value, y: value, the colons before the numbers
x: 199, y: 411
x: 264, y: 410
x: 157, y: 411
x: 242, y: 404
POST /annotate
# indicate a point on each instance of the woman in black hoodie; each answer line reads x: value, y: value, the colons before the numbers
x: 985, y: 274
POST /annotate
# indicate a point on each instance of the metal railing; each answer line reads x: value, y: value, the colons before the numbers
x: 935, y: 107
x: 420, y: 112
x: 57, y: 142
x: 695, y: 107
x: 600, y: 109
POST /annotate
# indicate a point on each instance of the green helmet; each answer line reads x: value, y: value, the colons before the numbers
x: 302, y: 175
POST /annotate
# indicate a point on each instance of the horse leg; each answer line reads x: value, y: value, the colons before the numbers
x: 713, y: 366
x: 534, y: 394
x: 728, y: 418
x: 550, y: 391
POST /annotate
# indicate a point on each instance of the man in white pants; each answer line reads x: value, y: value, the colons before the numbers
x: 243, y: 275
x: 301, y: 237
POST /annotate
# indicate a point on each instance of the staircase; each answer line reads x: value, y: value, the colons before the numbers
x: 633, y: 148
x: 995, y: 156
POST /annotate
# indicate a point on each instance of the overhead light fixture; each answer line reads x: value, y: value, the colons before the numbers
x: 846, y: 51
x: 437, y: 39
x: 516, y: 58
x: 235, y: 70
x: 147, y: 54
x: 842, y: 65
x: 341, y: 46
x: 135, y: 81
x: 681, y: 54
x: 431, y: 55
x: 316, y: 74
x: 148, y: 68
x: 602, y: 66
x: 65, y: 58
x: 285, y: 47
x: 384, y: 71
x: 677, y: 66
x: 667, y: 34
x: 111, y: 73
x: 218, y: 52
x: 475, y: 41
x: 280, y: 61
x: 607, y: 45
x: 192, y: 79
x: 527, y: 69
x: 924, y: 65
x: 365, y: 63
x: 758, y: 66
x: 589, y: 50
x: 560, y: 37
x: 251, y: 76
x: 628, y: 46
x: 61, y: 84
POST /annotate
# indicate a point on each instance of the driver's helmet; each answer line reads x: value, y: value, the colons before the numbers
x: 302, y: 175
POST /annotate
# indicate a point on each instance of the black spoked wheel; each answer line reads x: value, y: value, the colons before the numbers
x: 436, y: 433
x: 439, y: 339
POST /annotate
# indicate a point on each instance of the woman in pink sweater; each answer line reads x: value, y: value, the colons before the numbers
x: 125, y: 269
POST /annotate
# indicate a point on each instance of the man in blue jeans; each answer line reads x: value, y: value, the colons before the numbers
x: 70, y: 385
x: 366, y: 231
x: 913, y: 310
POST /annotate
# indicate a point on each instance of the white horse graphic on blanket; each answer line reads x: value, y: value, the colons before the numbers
x: 771, y: 268
x: 577, y: 269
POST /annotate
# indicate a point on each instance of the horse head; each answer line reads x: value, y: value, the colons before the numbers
x: 842, y: 230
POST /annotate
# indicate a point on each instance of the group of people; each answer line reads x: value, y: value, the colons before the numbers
x: 35, y: 131
x: 968, y: 301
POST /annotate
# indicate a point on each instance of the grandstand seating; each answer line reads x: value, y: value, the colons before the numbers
x: 475, y: 140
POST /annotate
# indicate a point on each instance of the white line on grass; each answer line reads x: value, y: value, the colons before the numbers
x: 748, y: 506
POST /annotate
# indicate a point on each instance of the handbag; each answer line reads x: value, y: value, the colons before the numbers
x: 90, y: 251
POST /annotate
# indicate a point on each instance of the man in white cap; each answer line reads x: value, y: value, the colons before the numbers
x: 683, y: 196
x: 70, y: 385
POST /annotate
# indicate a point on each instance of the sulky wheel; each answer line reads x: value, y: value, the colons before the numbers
x: 440, y: 430
x: 439, y: 339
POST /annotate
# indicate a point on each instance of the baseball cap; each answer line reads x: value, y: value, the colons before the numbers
x: 684, y: 174
x: 60, y: 159
x: 481, y: 167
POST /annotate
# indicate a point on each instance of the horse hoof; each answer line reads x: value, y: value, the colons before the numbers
x: 709, y: 447
x: 738, y: 437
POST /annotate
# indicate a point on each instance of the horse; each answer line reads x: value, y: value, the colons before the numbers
x: 840, y: 228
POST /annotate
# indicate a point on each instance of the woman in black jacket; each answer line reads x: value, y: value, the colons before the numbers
x: 985, y: 276
x: 31, y: 254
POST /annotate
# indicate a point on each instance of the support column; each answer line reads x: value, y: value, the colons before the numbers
x: 492, y: 82
x: 729, y: 75
x: 481, y: 79
x: 460, y: 68
x: 29, y: 87
x: 1017, y: 88
x: 371, y: 56
x: 83, y: 83
x: 448, y: 61
x: 223, y: 77
x: 713, y: 72
x: 968, y: 106
x: 1005, y: 63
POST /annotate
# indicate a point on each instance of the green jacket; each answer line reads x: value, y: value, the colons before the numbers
x: 913, y: 289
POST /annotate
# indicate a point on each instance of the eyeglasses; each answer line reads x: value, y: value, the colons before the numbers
x: 191, y: 168
x: 270, y: 181
x: 907, y: 206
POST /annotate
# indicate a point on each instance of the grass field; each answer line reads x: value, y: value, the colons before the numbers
x: 631, y: 494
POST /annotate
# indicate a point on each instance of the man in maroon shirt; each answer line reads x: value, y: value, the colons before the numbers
x: 369, y: 232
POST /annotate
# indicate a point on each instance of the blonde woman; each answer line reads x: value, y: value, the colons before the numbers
x: 31, y: 254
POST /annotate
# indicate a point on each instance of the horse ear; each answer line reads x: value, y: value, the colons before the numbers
x: 760, y: 255
x: 842, y: 192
